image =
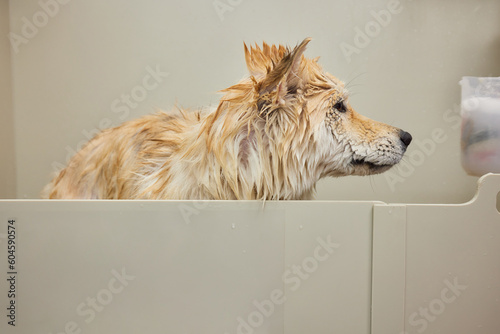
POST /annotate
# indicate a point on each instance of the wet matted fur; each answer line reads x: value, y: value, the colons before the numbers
x: 272, y: 136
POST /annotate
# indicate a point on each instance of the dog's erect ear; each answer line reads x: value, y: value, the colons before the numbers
x: 261, y: 60
x: 284, y: 74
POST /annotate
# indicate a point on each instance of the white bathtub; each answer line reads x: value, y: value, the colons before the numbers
x: 244, y: 267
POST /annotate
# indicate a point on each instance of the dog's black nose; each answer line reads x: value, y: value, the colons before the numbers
x: 405, y: 137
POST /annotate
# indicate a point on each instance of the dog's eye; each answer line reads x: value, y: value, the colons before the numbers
x: 340, y: 106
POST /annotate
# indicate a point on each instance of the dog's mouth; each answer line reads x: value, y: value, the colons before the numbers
x: 372, y: 167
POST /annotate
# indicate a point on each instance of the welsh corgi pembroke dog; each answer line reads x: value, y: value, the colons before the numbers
x: 272, y: 136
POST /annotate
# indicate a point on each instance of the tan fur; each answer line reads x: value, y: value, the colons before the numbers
x: 272, y: 136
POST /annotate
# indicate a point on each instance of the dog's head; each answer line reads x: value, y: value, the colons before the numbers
x: 303, y: 116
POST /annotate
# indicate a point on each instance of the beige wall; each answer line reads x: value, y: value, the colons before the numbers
x: 7, y: 154
x: 72, y: 69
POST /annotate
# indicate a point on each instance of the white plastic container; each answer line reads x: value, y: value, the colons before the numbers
x: 480, y: 125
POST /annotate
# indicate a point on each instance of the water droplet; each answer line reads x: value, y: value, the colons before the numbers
x: 244, y: 251
x: 301, y: 227
x: 390, y: 212
x: 233, y: 226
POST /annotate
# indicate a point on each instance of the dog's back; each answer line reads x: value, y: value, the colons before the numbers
x: 117, y: 163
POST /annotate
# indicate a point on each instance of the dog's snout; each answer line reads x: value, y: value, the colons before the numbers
x: 405, y: 137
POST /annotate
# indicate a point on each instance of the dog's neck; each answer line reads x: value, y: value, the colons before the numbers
x: 249, y: 164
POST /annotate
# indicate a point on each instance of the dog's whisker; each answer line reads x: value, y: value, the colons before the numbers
x: 372, y: 181
x: 348, y: 84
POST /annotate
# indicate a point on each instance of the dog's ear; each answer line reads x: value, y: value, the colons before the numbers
x: 260, y: 60
x: 284, y: 75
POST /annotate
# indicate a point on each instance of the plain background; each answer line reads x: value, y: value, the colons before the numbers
x: 69, y: 75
